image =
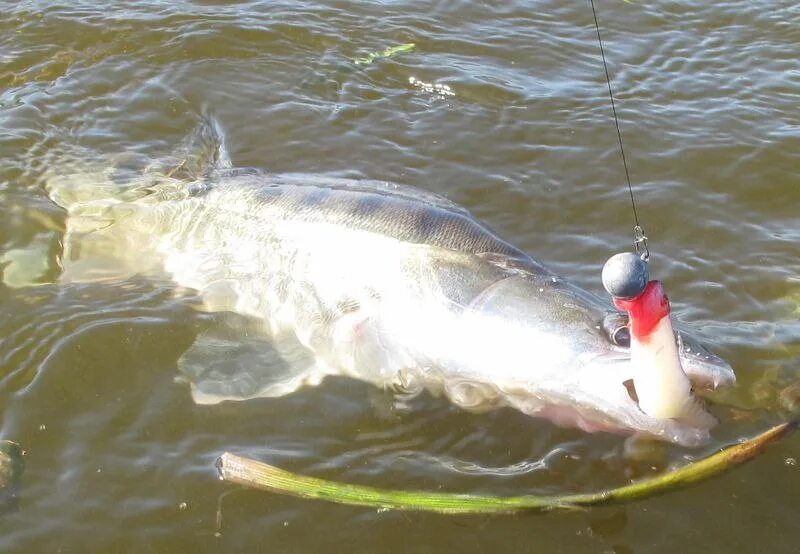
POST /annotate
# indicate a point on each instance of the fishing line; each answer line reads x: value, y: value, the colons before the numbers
x: 639, y: 238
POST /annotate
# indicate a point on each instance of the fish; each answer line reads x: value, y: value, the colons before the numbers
x: 305, y: 276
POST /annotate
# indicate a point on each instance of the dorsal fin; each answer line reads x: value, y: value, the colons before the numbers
x: 75, y: 182
x: 200, y: 153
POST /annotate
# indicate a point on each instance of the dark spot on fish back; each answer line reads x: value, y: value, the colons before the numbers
x: 314, y: 197
x: 368, y: 206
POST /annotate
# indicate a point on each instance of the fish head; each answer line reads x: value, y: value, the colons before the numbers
x: 568, y: 358
x: 703, y: 370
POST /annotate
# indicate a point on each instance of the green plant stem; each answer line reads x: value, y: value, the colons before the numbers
x: 255, y: 474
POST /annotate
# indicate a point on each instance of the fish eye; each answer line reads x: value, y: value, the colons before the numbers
x: 616, y: 328
x: 621, y: 337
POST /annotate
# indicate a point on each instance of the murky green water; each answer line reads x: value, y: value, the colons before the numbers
x: 118, y: 455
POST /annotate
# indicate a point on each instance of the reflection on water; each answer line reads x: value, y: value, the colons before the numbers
x: 120, y: 457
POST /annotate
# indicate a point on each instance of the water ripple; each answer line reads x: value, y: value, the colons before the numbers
x: 707, y: 96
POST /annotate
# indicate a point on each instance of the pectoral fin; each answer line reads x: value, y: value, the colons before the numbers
x: 234, y: 359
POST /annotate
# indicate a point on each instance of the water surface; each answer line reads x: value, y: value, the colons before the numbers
x: 118, y: 455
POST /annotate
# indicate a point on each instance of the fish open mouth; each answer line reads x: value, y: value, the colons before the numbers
x: 705, y: 372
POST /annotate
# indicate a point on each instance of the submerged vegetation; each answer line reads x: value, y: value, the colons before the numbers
x: 12, y: 464
x: 385, y: 53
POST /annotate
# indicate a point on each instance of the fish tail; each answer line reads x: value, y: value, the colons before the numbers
x: 106, y: 199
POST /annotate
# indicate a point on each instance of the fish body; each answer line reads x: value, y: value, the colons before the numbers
x: 384, y: 283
